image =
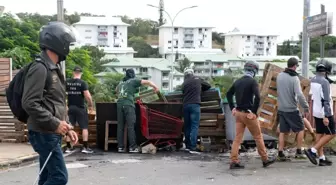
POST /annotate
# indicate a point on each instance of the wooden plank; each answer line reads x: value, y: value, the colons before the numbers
x: 208, y: 123
x: 206, y: 132
x: 272, y: 92
x: 266, y: 116
x: 268, y: 108
x: 206, y: 116
x: 273, y: 84
x: 271, y: 100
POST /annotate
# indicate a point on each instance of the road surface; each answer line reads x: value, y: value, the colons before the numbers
x: 176, y: 169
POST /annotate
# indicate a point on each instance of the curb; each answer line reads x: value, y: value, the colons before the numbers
x: 18, y: 161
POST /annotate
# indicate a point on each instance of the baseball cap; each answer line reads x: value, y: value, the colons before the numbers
x: 77, y: 69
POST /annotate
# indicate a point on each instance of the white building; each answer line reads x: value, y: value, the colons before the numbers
x: 185, y: 38
x: 244, y: 44
x: 211, y: 65
x: 155, y: 69
x: 108, y: 33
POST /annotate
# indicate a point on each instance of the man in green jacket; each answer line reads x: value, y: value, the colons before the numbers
x: 126, y: 109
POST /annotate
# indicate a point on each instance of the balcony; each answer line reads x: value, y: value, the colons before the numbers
x: 189, y: 31
x: 188, y: 38
x: 202, y: 66
x: 102, y: 29
x: 188, y: 45
x: 259, y: 46
x: 102, y: 37
x: 258, y: 39
x: 165, y: 78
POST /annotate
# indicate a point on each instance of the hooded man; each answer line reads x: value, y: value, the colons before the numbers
x: 246, y: 91
x: 126, y: 109
x: 289, y: 95
x: 192, y: 88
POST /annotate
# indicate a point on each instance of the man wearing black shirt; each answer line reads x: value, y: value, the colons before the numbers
x: 77, y: 90
x: 192, y: 88
x: 244, y: 90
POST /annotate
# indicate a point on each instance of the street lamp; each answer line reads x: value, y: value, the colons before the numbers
x: 172, y: 42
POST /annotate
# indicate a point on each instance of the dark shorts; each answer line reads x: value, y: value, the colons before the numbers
x: 290, y: 121
x: 322, y: 129
x: 78, y: 115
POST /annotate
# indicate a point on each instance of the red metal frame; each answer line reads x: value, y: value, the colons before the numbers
x: 156, y: 125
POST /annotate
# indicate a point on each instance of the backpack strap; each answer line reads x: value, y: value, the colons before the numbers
x: 49, y: 78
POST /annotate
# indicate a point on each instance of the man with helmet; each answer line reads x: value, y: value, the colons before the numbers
x: 46, y: 107
x: 322, y: 112
x: 192, y: 88
x: 126, y: 109
x: 246, y: 91
x: 289, y: 93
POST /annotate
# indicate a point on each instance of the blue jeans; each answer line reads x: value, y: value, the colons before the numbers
x: 192, y: 115
x: 55, y: 172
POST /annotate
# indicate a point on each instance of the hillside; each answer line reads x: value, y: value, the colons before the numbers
x: 154, y: 40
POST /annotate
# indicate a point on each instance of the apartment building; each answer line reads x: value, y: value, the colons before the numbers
x: 212, y: 65
x: 154, y: 69
x: 244, y: 44
x: 107, y: 33
x: 184, y: 38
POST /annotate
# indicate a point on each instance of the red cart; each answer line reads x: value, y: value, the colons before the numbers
x: 156, y: 126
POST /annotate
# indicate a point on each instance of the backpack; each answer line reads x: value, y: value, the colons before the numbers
x: 14, y: 91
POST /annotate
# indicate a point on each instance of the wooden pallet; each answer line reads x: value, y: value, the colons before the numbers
x: 269, y: 106
x: 11, y: 130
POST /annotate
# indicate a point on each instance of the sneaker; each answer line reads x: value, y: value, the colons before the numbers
x: 325, y: 162
x: 68, y: 150
x: 87, y: 150
x: 134, y: 150
x: 283, y: 158
x: 196, y: 151
x: 268, y: 162
x: 235, y: 166
x: 121, y: 150
x: 300, y: 156
x: 311, y: 156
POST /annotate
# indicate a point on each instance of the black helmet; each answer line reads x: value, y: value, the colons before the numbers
x: 57, y: 37
x: 324, y: 66
x: 251, y: 65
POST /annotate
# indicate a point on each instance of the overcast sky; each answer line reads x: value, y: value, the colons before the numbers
x: 283, y: 17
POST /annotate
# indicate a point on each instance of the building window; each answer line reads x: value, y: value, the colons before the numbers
x: 143, y: 70
x: 115, y: 27
x: 124, y: 69
x: 120, y: 34
x: 88, y: 30
x: 178, y: 78
x: 87, y: 37
x: 206, y: 29
x: 242, y: 36
x: 169, y: 41
x: 175, y: 30
x: 200, y: 30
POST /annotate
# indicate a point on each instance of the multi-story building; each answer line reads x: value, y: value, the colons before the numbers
x: 244, y: 44
x: 184, y: 38
x: 154, y: 69
x: 212, y: 65
x: 108, y: 33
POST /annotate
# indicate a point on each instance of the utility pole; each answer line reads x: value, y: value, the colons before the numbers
x: 322, y: 37
x: 305, y: 39
x: 60, y: 17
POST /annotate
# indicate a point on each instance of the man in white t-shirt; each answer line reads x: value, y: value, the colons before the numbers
x: 322, y: 112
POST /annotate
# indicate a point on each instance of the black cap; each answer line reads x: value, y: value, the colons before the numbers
x: 77, y: 69
x: 292, y: 62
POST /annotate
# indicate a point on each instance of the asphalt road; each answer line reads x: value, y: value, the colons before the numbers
x: 176, y: 169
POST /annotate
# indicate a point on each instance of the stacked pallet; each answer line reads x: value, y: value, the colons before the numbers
x: 149, y: 96
x: 11, y: 130
x: 92, y: 133
x: 212, y: 124
x: 268, y: 109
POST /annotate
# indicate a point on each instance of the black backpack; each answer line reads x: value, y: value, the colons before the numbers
x: 14, y: 91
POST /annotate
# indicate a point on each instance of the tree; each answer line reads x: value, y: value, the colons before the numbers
x: 20, y: 56
x: 97, y: 60
x: 104, y: 91
x: 81, y: 58
x: 223, y: 83
x: 182, y: 64
x: 143, y: 49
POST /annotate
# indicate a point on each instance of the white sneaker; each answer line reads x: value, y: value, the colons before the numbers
x: 87, y: 150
